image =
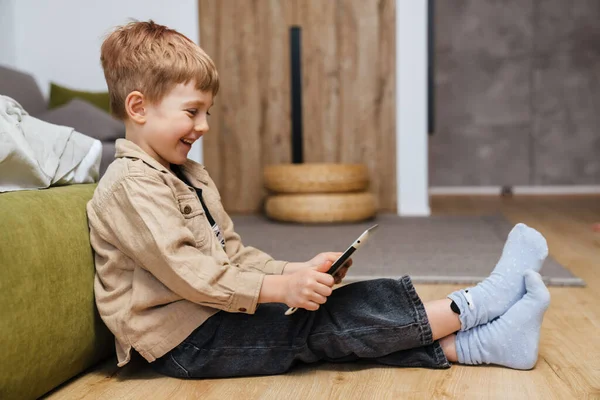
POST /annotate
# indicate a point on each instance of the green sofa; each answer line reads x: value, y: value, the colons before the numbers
x: 50, y: 330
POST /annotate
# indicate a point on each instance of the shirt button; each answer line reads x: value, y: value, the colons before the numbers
x: 242, y: 309
x: 187, y: 209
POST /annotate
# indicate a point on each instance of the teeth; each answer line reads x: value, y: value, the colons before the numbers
x: 187, y: 141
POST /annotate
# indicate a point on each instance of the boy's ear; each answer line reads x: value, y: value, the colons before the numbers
x: 134, y: 107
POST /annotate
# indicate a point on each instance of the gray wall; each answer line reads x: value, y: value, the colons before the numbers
x: 517, y: 93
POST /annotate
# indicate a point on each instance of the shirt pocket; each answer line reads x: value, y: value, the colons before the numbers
x: 194, y: 217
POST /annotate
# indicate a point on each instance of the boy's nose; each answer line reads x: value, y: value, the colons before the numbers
x: 201, y: 126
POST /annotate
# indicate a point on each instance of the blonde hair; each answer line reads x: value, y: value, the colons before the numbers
x: 152, y: 59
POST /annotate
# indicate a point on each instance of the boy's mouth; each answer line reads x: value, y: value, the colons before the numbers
x: 187, y: 141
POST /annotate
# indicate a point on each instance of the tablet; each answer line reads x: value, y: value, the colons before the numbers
x: 339, y: 263
x: 335, y: 267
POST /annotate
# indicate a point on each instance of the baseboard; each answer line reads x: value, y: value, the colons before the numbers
x: 415, y: 211
x: 566, y: 189
x: 465, y: 190
x: 516, y: 190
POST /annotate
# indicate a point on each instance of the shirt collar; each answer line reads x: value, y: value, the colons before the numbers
x: 193, y: 170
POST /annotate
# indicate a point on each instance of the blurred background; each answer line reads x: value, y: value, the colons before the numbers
x: 514, y: 87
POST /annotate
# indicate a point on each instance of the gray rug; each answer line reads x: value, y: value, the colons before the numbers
x: 438, y: 249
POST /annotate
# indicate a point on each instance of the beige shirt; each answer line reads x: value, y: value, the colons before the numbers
x: 160, y: 269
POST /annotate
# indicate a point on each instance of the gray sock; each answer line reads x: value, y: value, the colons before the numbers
x: 525, y: 249
x: 513, y: 339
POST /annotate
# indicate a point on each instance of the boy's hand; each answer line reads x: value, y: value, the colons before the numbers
x: 308, y: 288
x: 319, y: 259
x: 331, y: 257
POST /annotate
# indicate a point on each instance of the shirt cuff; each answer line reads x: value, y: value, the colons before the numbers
x: 245, y: 298
x: 274, y: 267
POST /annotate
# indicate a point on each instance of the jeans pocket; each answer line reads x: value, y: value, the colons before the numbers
x: 169, y: 365
x: 177, y: 368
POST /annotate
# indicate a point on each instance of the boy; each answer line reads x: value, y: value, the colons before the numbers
x: 175, y: 283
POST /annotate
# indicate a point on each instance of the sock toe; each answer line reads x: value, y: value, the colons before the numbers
x: 532, y: 240
x: 536, y: 289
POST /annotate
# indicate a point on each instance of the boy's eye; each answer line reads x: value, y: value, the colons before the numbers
x: 193, y: 112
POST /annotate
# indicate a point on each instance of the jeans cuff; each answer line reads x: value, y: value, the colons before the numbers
x: 423, y: 321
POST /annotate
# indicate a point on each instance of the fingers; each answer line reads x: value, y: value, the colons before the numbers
x: 311, y: 289
x: 333, y: 255
x: 315, y: 301
x: 339, y: 278
x: 310, y: 306
x: 324, y: 267
x: 329, y: 256
x: 323, y: 290
x: 343, y: 271
x: 312, y: 300
x: 324, y: 278
x: 318, y: 299
x: 315, y: 295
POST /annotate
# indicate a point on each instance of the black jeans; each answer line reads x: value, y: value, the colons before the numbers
x: 381, y: 320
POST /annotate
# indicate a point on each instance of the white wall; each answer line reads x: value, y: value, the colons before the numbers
x: 411, y: 108
x: 60, y: 40
x: 7, y: 33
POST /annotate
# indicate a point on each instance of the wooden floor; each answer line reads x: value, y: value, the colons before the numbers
x: 568, y: 366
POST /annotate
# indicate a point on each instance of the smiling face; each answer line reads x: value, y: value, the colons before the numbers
x: 167, y: 129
